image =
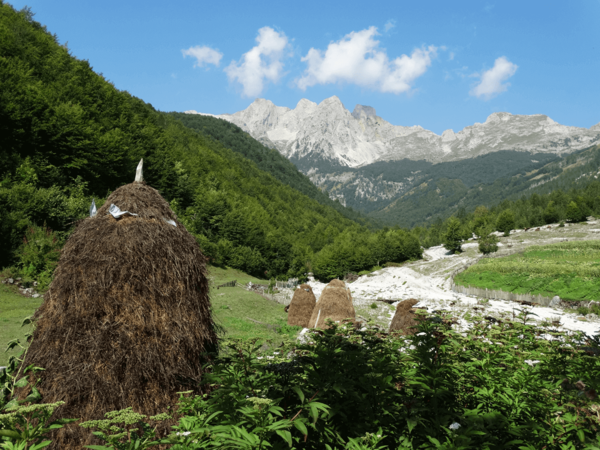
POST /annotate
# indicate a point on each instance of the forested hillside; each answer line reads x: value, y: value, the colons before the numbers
x: 67, y: 135
x: 534, y: 210
x: 267, y: 159
x: 444, y: 196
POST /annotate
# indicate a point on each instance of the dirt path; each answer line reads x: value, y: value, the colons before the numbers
x: 428, y: 281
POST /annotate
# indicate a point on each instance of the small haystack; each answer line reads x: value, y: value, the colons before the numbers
x: 301, y: 307
x: 127, y: 318
x: 405, y: 319
x: 335, y: 303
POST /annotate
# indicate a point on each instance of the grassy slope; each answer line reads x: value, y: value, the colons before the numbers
x: 231, y: 306
x: 570, y: 270
x: 13, y: 309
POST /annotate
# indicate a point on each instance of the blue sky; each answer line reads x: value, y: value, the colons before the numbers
x: 437, y: 64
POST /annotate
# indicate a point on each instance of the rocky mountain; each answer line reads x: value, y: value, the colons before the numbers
x: 312, y: 133
x: 373, y: 166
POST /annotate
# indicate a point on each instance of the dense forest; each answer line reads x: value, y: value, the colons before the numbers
x: 558, y: 205
x: 67, y: 135
x: 444, y: 196
x: 269, y: 160
x: 416, y: 179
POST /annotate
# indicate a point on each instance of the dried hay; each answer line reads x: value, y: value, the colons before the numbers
x: 335, y: 303
x: 405, y: 319
x: 126, y: 319
x: 301, y: 307
x: 337, y: 283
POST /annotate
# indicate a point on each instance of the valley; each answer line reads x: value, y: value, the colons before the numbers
x: 408, y: 175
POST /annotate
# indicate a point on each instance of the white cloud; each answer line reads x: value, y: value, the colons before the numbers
x: 204, y: 55
x: 389, y: 25
x: 262, y: 63
x: 493, y: 80
x: 356, y: 59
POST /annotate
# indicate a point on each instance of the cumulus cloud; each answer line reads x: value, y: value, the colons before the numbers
x: 493, y: 80
x: 261, y: 64
x: 204, y: 55
x: 356, y: 59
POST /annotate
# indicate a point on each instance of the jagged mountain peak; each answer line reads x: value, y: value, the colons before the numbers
x: 362, y: 110
x: 328, y: 131
x: 333, y: 101
x: 498, y: 117
x: 306, y: 104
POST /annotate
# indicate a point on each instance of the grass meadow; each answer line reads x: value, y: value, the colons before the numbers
x: 570, y: 270
x: 13, y: 309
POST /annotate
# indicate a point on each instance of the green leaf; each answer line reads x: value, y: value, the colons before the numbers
x: 27, y: 321
x: 12, y: 344
x: 314, y: 412
x: 99, y: 447
x: 13, y: 402
x: 10, y: 434
x: 286, y: 435
x: 40, y: 445
x: 411, y: 424
x: 22, y: 382
x: 298, y: 391
x: 300, y: 426
x: 35, y: 396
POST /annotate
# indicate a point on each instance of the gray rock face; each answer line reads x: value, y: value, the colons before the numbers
x: 328, y: 131
x: 555, y: 301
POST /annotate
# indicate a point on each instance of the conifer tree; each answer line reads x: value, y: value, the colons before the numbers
x: 454, y: 236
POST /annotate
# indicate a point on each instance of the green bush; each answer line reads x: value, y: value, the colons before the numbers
x: 488, y: 242
x: 498, y: 386
x: 505, y: 222
x: 39, y: 254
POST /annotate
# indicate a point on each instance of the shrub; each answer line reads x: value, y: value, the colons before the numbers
x: 39, y: 253
x: 505, y: 222
x: 488, y: 244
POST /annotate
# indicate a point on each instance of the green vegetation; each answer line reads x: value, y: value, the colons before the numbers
x: 499, y: 386
x: 13, y: 309
x: 266, y: 159
x: 454, y: 236
x: 486, y: 180
x: 233, y: 308
x: 505, y: 222
x: 488, y: 242
x: 570, y: 270
x: 434, y: 189
x: 533, y: 211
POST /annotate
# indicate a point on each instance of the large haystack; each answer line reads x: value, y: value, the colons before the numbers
x: 405, y: 319
x: 301, y: 307
x: 335, y: 303
x: 127, y: 318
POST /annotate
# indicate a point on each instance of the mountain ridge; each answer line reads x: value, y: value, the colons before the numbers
x: 330, y: 132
